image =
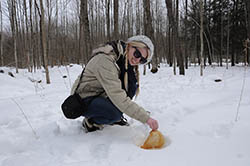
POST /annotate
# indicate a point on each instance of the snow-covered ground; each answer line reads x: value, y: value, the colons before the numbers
x: 197, y: 115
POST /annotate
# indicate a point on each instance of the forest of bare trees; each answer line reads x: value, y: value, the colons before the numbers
x: 42, y: 33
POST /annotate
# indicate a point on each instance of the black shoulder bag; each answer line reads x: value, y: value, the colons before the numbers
x: 73, y: 107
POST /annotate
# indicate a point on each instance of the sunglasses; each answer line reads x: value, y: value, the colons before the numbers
x: 137, y: 54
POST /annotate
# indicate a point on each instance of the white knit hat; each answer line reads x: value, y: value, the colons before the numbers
x: 146, y: 41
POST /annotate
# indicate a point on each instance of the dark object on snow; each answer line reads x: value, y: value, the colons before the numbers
x: 154, y: 70
x: 11, y: 74
x: 72, y: 107
x: 218, y: 80
x: 33, y: 80
x: 71, y: 65
x: 1, y: 71
x: 64, y: 76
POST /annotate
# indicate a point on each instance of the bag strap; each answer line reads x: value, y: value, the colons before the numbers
x: 81, y: 76
x: 79, y: 85
x: 116, y: 51
x: 79, y: 80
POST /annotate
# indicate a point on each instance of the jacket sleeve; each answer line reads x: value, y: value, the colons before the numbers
x: 108, y: 75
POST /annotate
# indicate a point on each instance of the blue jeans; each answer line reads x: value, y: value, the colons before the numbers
x: 101, y: 110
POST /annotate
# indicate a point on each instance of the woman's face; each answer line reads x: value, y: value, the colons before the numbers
x: 133, y: 56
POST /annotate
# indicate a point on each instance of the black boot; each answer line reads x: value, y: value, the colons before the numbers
x: 122, y: 122
x: 90, y: 126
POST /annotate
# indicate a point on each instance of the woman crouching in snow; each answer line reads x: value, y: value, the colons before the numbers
x: 110, y: 81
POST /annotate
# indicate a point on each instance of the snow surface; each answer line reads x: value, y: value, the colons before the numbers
x: 196, y: 115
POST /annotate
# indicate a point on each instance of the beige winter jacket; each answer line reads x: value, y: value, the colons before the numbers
x: 101, y: 75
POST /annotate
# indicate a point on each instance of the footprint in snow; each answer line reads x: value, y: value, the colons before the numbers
x: 100, y: 150
x: 222, y: 130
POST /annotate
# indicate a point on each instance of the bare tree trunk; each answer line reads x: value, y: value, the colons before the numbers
x: 12, y: 14
x: 97, y: 20
x: 37, y: 45
x: 178, y: 48
x: 174, y: 50
x: 116, y: 21
x: 228, y: 37
x: 145, y: 31
x: 233, y: 59
x: 77, y: 16
x: 57, y: 33
x: 49, y: 14
x: 27, y: 36
x: 138, y: 20
x: 108, y: 19
x: 101, y: 25
x: 247, y: 3
x: 210, y: 41
x: 85, y: 32
x: 129, y: 20
x: 149, y: 31
x: 43, y: 40
x: 186, y: 41
x: 221, y: 39
x: 209, y: 57
x: 172, y: 30
x: 32, y: 37
x: 1, y: 35
x: 246, y: 50
x: 103, y: 32
x: 44, y: 46
x: 93, y: 25
x: 170, y: 46
x: 66, y: 33
x: 18, y: 33
x: 201, y: 37
x: 22, y: 45
x: 123, y: 25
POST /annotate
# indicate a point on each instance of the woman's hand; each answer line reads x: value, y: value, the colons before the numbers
x: 153, y: 124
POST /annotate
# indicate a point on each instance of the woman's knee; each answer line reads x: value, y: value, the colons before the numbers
x: 105, y: 108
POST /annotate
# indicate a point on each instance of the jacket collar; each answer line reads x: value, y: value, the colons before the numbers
x: 118, y: 47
